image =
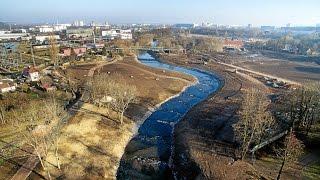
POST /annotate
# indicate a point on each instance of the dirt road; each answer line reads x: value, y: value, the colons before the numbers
x: 260, y: 73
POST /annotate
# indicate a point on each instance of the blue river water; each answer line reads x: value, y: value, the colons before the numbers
x: 157, y: 129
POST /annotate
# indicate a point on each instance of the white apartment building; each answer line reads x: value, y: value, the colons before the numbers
x: 60, y: 27
x: 7, y: 35
x: 41, y: 39
x: 117, y: 34
x: 45, y: 29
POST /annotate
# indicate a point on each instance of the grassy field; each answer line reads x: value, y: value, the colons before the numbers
x: 312, y: 172
x: 92, y: 143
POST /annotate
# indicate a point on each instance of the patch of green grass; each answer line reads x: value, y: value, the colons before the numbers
x: 312, y: 172
x: 1, y: 161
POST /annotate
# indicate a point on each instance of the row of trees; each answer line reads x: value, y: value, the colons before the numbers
x: 298, y: 110
x: 301, y: 44
x: 301, y: 107
x: 112, y: 93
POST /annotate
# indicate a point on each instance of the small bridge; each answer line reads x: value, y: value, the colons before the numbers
x: 268, y: 141
x: 141, y: 48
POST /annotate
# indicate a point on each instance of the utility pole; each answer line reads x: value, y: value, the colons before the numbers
x: 94, y: 38
x: 34, y: 63
x: 20, y: 57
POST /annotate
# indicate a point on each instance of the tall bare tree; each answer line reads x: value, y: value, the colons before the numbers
x: 105, y: 91
x: 301, y: 107
x: 54, y: 50
x: 44, y: 121
x: 144, y: 40
x: 293, y: 148
x: 254, y: 119
x: 39, y: 121
x: 124, y: 95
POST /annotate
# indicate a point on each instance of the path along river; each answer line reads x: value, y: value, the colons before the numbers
x: 148, y: 154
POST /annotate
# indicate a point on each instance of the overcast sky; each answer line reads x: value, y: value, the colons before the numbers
x: 231, y: 12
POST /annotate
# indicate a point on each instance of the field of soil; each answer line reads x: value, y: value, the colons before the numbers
x: 92, y: 142
x: 296, y: 71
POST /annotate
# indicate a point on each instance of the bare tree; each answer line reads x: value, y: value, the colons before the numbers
x: 301, y: 107
x: 73, y: 56
x: 209, y: 45
x: 100, y: 86
x: 104, y: 91
x: 54, y: 50
x: 3, y: 114
x: 43, y: 132
x: 254, y: 119
x: 144, y: 40
x: 124, y: 95
x: 42, y: 122
x: 293, y: 148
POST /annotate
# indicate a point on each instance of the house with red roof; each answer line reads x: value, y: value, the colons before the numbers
x: 230, y: 44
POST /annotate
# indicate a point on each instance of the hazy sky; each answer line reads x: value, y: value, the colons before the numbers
x: 232, y: 12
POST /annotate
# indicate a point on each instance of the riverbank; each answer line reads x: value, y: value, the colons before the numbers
x: 204, y: 140
x: 148, y: 154
x: 93, y: 142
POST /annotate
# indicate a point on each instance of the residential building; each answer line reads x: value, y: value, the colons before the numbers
x: 31, y: 73
x: 117, y: 34
x: 183, y: 26
x: 7, y: 35
x: 233, y: 44
x: 66, y: 52
x: 7, y: 86
x: 60, y: 27
x: 79, y: 32
x: 41, y: 39
x: 45, y: 29
x: 43, y: 46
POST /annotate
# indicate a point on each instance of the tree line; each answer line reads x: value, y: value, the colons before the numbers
x: 296, y: 112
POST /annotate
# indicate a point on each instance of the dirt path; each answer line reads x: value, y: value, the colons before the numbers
x: 256, y: 83
x: 26, y: 169
x: 155, y: 74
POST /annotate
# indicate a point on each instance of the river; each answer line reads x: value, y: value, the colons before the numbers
x: 147, y: 155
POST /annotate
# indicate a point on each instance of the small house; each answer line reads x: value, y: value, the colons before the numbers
x: 67, y: 52
x: 31, y: 73
x: 7, y: 87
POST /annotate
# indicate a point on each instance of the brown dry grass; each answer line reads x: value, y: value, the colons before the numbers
x: 92, y: 143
